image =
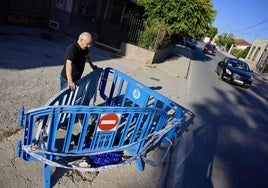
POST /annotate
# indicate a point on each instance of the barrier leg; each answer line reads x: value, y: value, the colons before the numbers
x: 140, y: 164
x: 47, y: 176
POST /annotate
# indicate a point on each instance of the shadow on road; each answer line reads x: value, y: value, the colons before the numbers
x: 228, y: 142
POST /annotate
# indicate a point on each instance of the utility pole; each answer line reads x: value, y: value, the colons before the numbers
x: 225, y: 47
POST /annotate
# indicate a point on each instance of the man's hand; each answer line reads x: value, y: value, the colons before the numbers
x: 72, y: 86
x: 94, y: 67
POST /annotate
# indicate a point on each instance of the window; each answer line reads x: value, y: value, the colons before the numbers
x: 85, y: 8
x: 60, y: 4
x: 256, y: 53
x: 251, y: 52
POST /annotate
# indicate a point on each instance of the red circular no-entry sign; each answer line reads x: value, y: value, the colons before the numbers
x: 108, y: 122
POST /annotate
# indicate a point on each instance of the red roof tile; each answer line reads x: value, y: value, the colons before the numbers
x: 241, y: 42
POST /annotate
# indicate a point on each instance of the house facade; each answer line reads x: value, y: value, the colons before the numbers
x: 241, y: 44
x: 25, y: 12
x: 258, y: 55
x: 103, y: 18
x: 114, y: 24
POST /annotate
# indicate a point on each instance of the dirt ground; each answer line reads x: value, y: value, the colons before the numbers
x: 30, y: 65
x: 29, y: 73
x: 31, y: 61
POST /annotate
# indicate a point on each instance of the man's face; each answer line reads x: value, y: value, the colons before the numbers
x: 85, y: 43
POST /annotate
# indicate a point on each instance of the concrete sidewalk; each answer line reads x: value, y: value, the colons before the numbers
x: 178, y: 64
x: 32, y: 58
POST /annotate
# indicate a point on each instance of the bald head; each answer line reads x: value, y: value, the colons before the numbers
x: 85, y: 36
x: 84, y: 40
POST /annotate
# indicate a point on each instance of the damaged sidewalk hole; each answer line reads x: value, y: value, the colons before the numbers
x: 9, y: 133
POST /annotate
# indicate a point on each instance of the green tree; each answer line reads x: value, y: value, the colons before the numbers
x: 245, y: 52
x: 211, y: 33
x: 226, y: 40
x: 189, y: 18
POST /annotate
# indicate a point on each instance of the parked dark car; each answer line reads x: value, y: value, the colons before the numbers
x: 191, y: 43
x: 210, y: 49
x: 235, y: 71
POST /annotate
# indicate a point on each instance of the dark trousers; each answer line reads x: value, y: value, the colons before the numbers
x: 63, y: 83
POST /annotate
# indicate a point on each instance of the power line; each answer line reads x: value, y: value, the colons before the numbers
x: 250, y: 27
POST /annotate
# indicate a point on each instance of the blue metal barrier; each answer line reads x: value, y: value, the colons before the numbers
x: 118, y: 89
x: 131, y: 119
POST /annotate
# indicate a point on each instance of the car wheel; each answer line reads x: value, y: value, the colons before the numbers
x: 217, y: 68
x: 247, y: 86
x: 220, y: 74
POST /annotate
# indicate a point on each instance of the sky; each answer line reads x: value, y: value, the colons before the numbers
x: 245, y: 19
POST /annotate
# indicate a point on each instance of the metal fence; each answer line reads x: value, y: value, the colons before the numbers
x: 135, y: 26
x: 131, y: 27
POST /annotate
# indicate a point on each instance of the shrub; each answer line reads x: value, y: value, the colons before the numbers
x: 148, y: 37
x: 239, y: 53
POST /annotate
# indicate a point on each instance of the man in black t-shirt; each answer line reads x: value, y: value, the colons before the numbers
x: 76, y: 56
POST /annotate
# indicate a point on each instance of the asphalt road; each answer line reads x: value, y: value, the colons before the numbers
x: 227, y: 144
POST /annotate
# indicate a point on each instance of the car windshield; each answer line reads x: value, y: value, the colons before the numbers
x: 239, y: 65
x: 211, y: 46
x: 193, y: 40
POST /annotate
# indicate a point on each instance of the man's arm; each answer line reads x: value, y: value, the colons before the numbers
x: 90, y: 62
x: 71, y: 84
